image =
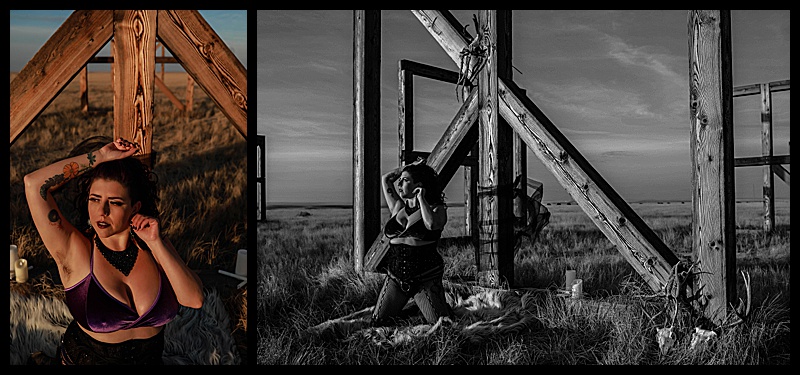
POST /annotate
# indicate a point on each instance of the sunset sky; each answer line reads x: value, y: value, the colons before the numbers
x: 30, y: 29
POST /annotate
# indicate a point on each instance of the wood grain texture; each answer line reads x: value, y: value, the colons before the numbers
x: 134, y: 86
x: 59, y: 60
x: 713, y: 204
x: 208, y: 60
x: 366, y: 132
x: 613, y: 216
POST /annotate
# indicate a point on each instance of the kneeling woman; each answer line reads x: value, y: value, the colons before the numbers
x: 415, y: 268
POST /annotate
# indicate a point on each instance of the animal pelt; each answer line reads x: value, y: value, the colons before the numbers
x: 478, y: 313
x: 195, y: 336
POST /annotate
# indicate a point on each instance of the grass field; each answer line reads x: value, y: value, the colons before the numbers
x: 306, y: 277
x: 201, y: 163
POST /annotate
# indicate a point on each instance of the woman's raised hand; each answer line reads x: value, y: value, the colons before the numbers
x: 119, y: 149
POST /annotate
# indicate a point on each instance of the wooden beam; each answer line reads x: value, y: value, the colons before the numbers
x: 56, y: 63
x: 110, y: 60
x: 208, y: 60
x: 262, y: 175
x: 135, y: 36
x: 754, y: 161
x: 640, y: 246
x: 766, y: 151
x: 713, y: 198
x: 366, y: 131
x: 755, y: 89
x: 781, y: 172
x: 406, y: 114
x: 84, y: 78
x: 460, y: 137
x: 174, y: 99
x: 429, y: 71
x: 495, y: 190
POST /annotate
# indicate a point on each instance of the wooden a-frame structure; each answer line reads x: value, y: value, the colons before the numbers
x: 192, y: 41
x: 498, y: 97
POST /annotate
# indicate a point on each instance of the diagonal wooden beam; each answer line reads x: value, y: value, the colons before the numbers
x: 457, y: 141
x: 208, y: 60
x: 640, y: 246
x: 59, y: 60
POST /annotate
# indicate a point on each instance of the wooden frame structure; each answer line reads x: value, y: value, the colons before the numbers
x: 498, y: 97
x: 159, y: 81
x: 772, y: 165
x: 187, y: 35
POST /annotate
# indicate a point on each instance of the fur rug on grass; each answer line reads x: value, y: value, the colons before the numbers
x: 194, y: 337
x: 478, y: 313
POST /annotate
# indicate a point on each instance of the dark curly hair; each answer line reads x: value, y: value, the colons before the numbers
x: 424, y: 174
x: 141, y: 182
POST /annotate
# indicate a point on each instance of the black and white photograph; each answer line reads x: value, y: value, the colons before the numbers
x: 485, y: 187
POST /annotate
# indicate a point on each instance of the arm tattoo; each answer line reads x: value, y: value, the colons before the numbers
x: 50, y: 183
x: 71, y: 170
x: 54, y: 218
x: 91, y: 158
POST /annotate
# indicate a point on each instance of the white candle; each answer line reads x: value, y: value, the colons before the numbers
x: 22, y: 270
x: 570, y: 276
x: 14, y: 259
x: 241, y: 263
x: 577, y: 289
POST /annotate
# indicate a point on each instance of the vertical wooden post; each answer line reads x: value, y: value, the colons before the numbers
x: 471, y: 203
x: 713, y: 198
x: 495, y: 266
x: 262, y: 175
x: 84, y: 78
x: 766, y: 150
x: 134, y: 82
x: 189, y: 94
x: 406, y: 114
x: 366, y: 131
x: 519, y: 148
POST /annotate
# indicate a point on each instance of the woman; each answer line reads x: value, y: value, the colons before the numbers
x: 414, y: 266
x: 123, y: 280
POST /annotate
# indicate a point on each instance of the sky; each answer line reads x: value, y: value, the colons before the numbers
x: 615, y: 83
x: 30, y: 29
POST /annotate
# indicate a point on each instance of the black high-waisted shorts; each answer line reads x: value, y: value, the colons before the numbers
x: 78, y: 348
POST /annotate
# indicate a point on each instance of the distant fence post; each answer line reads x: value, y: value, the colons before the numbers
x: 261, y: 178
x: 711, y: 141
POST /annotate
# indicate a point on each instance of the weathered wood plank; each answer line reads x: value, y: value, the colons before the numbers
x: 56, y: 63
x: 495, y: 189
x: 208, y: 60
x: 754, y: 161
x: 174, y: 99
x: 766, y: 151
x: 429, y: 71
x: 366, y: 131
x: 781, y: 172
x: 134, y: 49
x: 405, y: 126
x: 713, y: 198
x: 755, y: 89
x: 613, y: 216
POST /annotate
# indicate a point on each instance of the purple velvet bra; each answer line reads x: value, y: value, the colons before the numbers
x: 95, y: 309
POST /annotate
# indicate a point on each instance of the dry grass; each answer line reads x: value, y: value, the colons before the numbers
x: 306, y: 277
x: 201, y: 165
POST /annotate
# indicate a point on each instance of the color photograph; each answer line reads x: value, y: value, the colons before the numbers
x: 128, y: 187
